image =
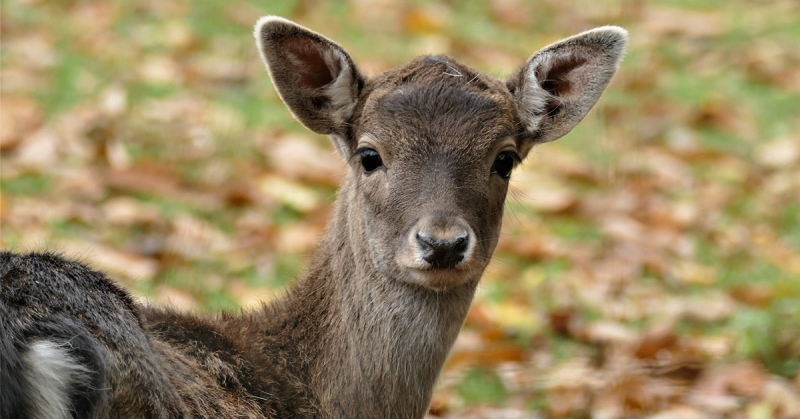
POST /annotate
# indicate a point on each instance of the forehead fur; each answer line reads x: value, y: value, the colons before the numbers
x: 433, y: 99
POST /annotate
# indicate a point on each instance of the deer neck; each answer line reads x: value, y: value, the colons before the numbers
x: 381, y: 342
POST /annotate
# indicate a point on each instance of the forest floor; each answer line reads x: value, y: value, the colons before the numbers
x: 649, y: 264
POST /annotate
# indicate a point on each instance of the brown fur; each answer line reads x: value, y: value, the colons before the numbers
x: 365, y: 332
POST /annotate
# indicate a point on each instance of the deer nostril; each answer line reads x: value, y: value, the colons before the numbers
x: 444, y: 254
x: 425, y: 240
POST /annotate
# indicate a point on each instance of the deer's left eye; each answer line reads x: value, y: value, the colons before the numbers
x: 370, y: 160
x: 504, y: 163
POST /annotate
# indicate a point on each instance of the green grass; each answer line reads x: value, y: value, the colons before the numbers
x: 770, y: 336
x: 789, y: 225
x: 482, y: 387
x: 29, y: 184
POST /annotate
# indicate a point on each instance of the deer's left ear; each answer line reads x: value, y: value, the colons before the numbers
x: 314, y: 76
x: 559, y: 85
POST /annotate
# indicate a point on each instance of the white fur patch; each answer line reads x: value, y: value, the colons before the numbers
x: 52, y: 372
x: 534, y: 100
x: 340, y: 91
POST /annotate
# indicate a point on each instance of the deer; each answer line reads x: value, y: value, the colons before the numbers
x: 429, y: 146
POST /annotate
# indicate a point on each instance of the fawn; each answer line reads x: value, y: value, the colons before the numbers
x: 430, y: 147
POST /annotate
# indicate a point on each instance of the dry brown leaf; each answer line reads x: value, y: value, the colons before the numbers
x: 657, y: 342
x: 20, y: 115
x: 426, y: 18
x: 40, y: 151
x: 542, y: 191
x: 118, y: 264
x: 298, y: 158
x: 295, y: 195
x: 780, y: 153
x: 114, y: 101
x: 512, y: 12
x: 438, y: 407
x: 530, y: 242
x: 489, y: 354
x: 160, y: 181
x: 177, y: 34
x: 692, y: 273
x: 126, y: 211
x: 384, y: 14
x: 568, y: 387
x: 195, y: 238
x: 781, y: 396
x: 711, y: 307
x: 35, y: 50
x: 755, y: 295
x: 659, y: 22
x: 726, y: 389
x: 564, y: 321
x: 771, y: 248
x: 213, y: 68
x: 623, y: 229
x: 681, y: 412
x: 160, y: 69
x: 432, y: 44
x: 606, y: 331
x: 514, y: 316
x: 299, y: 238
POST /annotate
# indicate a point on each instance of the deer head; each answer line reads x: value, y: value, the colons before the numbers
x: 431, y: 145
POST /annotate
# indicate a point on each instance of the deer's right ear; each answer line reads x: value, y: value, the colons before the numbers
x: 314, y: 76
x: 560, y: 84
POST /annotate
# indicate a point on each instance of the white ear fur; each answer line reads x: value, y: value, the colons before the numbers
x: 340, y: 90
x: 257, y: 30
x: 584, y: 63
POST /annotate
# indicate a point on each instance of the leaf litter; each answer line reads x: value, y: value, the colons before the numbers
x: 649, y: 264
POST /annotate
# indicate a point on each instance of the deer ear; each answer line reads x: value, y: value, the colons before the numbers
x: 314, y: 76
x: 559, y: 85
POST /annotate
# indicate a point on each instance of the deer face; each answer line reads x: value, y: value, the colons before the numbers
x: 435, y: 146
x: 431, y: 145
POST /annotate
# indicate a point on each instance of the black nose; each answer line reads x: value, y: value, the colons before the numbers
x: 443, y: 253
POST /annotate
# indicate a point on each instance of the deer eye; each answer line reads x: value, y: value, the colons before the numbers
x: 370, y: 160
x: 504, y: 163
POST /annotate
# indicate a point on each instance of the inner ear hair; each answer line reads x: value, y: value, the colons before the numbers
x: 560, y: 84
x: 556, y: 81
x: 314, y: 71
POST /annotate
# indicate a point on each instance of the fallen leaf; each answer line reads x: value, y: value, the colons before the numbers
x: 543, y: 192
x: 298, y: 158
x: 117, y: 263
x: 20, y: 116
x: 195, y: 238
x: 607, y: 331
x: 299, y: 197
x: 40, y: 150
x: 780, y: 153
x: 126, y: 211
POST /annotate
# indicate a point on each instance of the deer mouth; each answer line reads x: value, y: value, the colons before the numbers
x: 441, y: 279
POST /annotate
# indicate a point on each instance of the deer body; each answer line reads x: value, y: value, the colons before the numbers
x: 364, y: 333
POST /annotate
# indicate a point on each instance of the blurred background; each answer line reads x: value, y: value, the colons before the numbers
x: 650, y: 260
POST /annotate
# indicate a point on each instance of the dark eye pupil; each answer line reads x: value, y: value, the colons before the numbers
x: 503, y: 164
x: 370, y: 160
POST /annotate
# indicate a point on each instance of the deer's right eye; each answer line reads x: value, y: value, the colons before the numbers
x: 370, y: 160
x: 504, y: 163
